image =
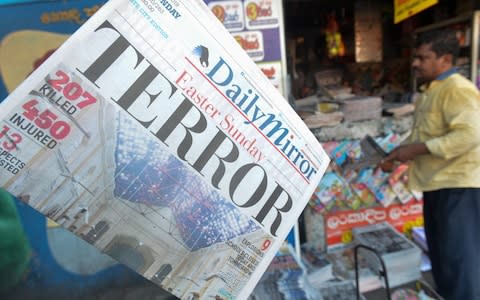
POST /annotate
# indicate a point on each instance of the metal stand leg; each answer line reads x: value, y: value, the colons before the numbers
x: 382, y: 272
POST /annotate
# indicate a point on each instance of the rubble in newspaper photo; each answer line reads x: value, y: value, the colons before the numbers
x: 150, y: 130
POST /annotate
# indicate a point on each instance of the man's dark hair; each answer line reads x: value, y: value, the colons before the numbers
x: 442, y: 42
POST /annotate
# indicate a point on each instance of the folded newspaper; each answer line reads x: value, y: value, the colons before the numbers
x: 372, y: 154
x: 151, y: 134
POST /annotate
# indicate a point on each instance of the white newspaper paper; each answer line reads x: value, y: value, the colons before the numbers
x: 152, y: 135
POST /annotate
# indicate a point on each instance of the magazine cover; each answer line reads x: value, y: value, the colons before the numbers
x: 398, y: 182
x: 333, y: 191
x: 151, y: 134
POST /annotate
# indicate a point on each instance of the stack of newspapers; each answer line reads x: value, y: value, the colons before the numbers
x: 358, y: 108
x: 344, y: 268
x: 319, y: 268
x: 339, y: 290
x: 283, y: 279
x: 401, y: 256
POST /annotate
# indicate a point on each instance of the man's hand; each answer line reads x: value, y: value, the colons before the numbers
x: 402, y: 154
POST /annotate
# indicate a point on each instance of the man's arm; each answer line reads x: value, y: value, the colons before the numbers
x: 403, y: 153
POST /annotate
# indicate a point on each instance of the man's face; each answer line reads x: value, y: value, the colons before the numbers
x: 427, y: 65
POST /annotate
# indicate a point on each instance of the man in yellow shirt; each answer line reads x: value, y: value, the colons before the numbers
x: 444, y: 154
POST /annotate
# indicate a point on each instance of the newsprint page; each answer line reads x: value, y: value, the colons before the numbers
x: 151, y: 130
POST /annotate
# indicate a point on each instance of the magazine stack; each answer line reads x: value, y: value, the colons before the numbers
x: 339, y: 290
x: 283, y: 279
x: 359, y: 108
x: 401, y: 256
x: 319, y: 268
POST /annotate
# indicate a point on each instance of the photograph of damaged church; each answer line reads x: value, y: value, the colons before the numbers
x: 121, y: 190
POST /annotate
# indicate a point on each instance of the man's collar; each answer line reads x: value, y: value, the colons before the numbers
x: 440, y: 77
x: 447, y: 73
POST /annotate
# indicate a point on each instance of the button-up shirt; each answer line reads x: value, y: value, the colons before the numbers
x: 447, y: 120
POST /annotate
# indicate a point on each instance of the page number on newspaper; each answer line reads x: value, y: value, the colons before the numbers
x: 71, y: 89
x: 266, y: 244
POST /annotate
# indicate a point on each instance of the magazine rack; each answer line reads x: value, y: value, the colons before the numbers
x: 382, y: 272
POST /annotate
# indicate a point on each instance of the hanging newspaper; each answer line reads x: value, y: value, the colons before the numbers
x: 152, y: 135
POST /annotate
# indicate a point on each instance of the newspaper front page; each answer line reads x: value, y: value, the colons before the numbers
x: 152, y: 135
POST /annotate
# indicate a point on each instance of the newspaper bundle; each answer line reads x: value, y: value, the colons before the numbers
x: 152, y: 135
x: 400, y: 255
x: 284, y: 278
